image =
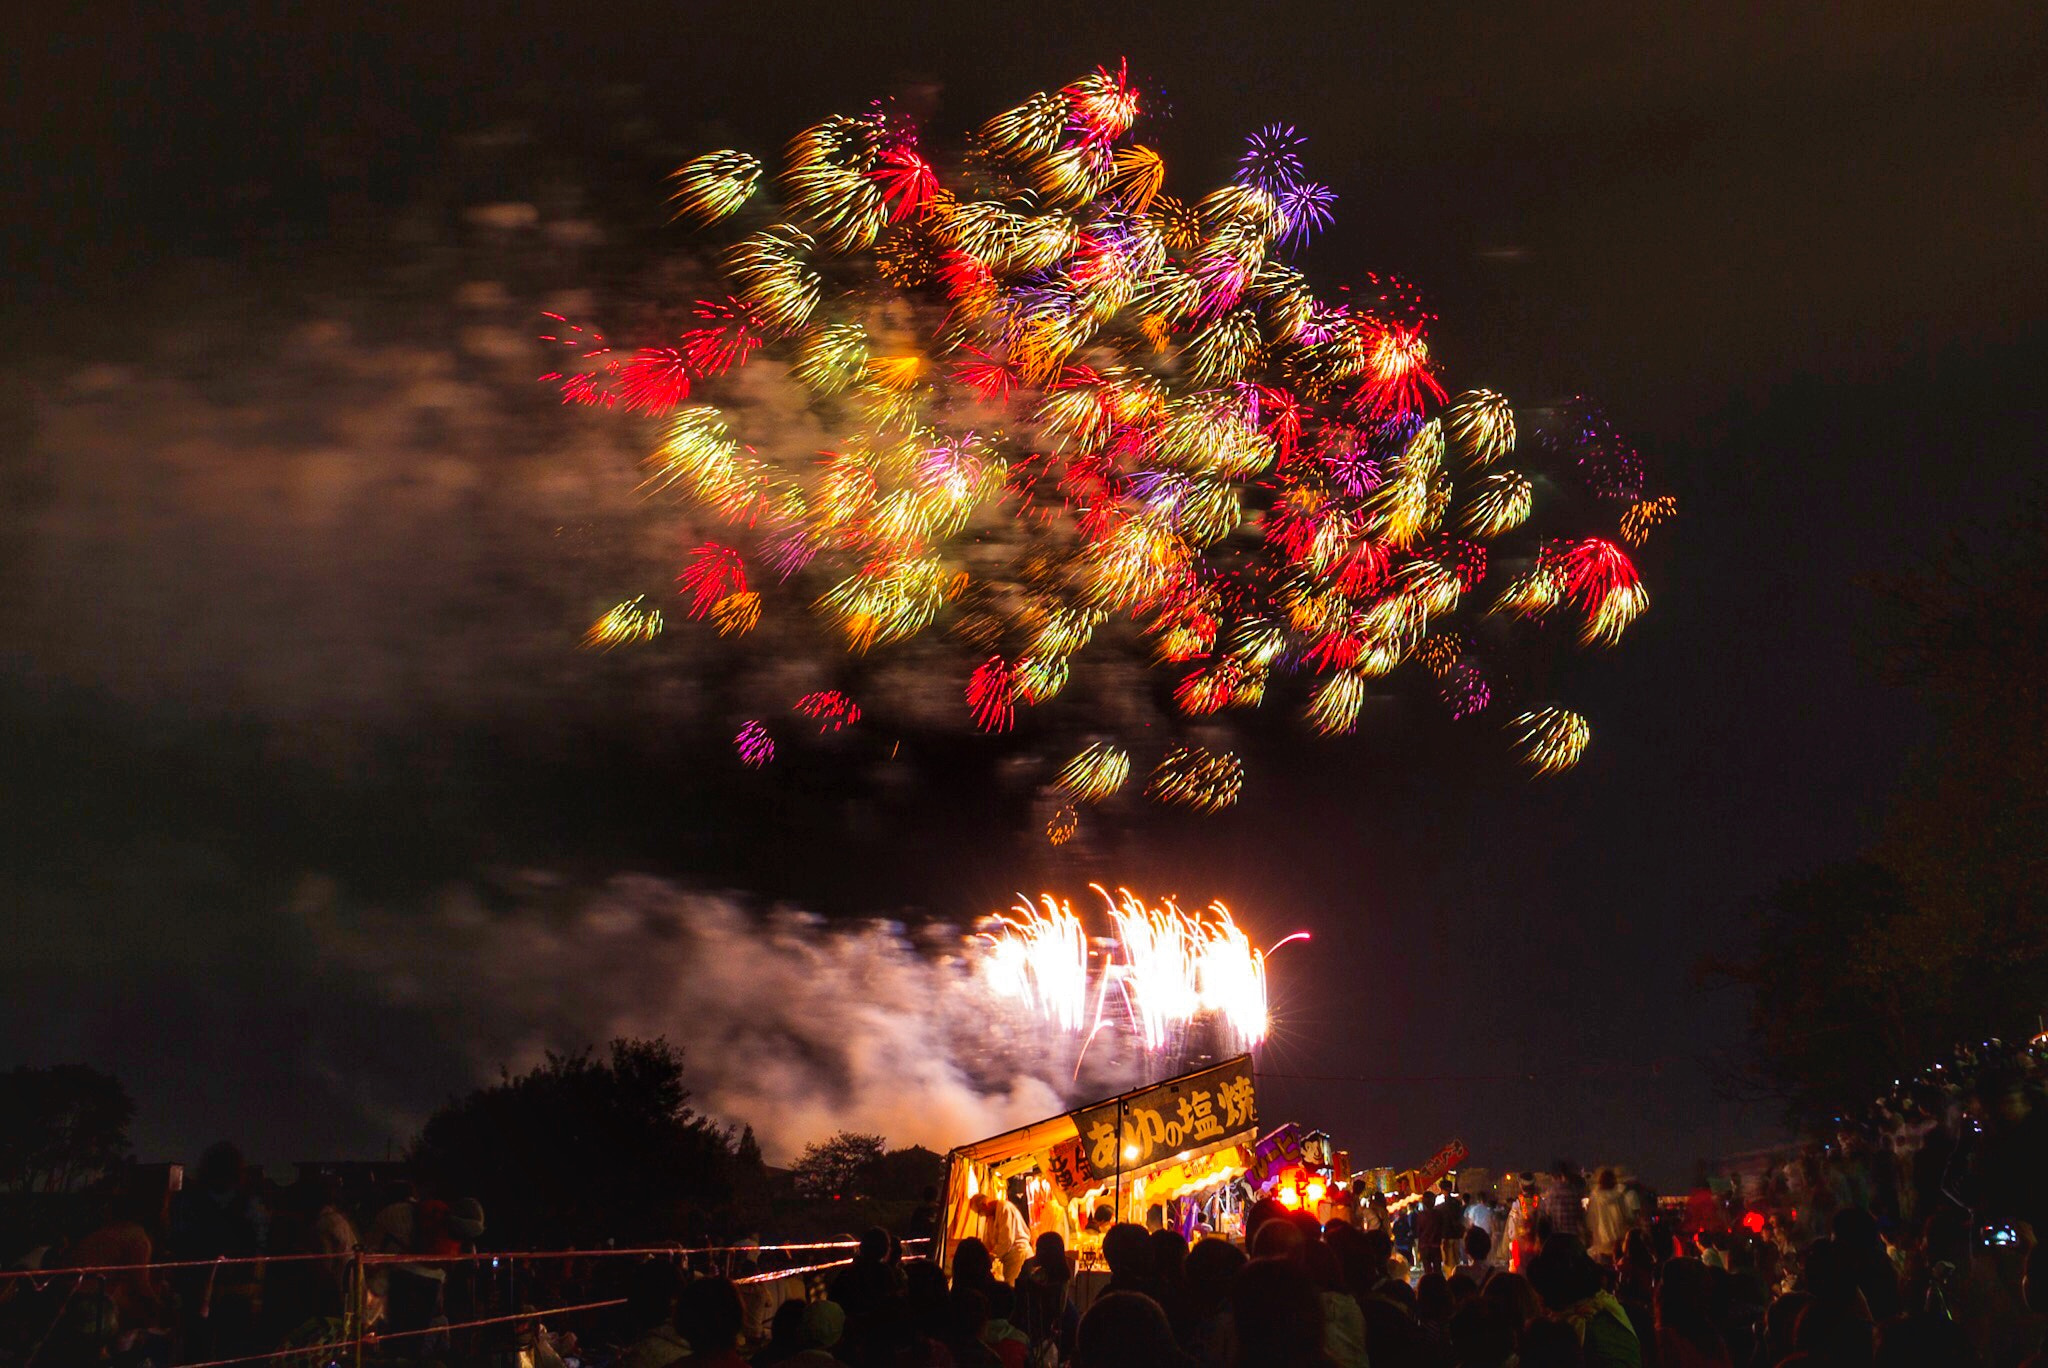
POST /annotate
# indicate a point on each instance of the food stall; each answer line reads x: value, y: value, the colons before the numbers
x: 1167, y: 1155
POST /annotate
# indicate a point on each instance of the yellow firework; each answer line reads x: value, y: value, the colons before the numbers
x: 1139, y: 174
x: 1531, y: 595
x: 710, y: 187
x: 1637, y: 522
x: 833, y: 357
x: 1333, y: 708
x: 772, y: 271
x: 1550, y: 739
x: 1482, y: 425
x: 1030, y: 130
x: 1500, y: 503
x: 1038, y: 955
x: 889, y: 600
x: 1197, y: 777
x: 1409, y: 506
x: 1096, y: 772
x: 1615, y: 610
x: 829, y: 183
x: 629, y: 622
x: 737, y: 614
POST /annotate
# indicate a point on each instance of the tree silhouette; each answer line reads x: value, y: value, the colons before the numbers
x: 1864, y: 971
x: 588, y: 1149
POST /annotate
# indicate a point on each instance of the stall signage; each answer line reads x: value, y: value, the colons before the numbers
x: 1188, y: 1112
x: 1445, y: 1159
x: 1067, y: 1166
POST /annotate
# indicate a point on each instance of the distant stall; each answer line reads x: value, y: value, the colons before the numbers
x: 1166, y: 1155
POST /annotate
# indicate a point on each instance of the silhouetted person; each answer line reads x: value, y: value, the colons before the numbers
x: 1277, y: 1317
x: 1126, y: 1330
x: 710, y: 1316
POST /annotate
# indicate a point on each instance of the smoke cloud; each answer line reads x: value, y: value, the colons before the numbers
x: 793, y: 1025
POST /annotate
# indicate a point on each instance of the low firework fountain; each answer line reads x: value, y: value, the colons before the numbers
x: 1181, y: 986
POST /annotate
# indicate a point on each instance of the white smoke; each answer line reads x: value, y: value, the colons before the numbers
x: 791, y: 1024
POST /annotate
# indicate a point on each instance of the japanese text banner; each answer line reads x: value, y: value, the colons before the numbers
x: 1182, y: 1114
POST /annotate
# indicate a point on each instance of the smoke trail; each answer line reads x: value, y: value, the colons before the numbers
x: 796, y: 1026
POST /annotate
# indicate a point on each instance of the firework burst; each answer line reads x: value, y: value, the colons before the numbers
x: 1064, y: 407
x: 629, y: 622
x: 1155, y: 975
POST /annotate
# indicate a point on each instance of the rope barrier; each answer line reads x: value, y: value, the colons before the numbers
x: 372, y: 1340
x: 380, y: 1260
x: 344, y: 1256
x: 360, y: 1263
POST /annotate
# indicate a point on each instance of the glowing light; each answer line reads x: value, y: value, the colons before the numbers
x: 1038, y: 955
x: 629, y: 622
x: 1483, y: 426
x: 710, y: 187
x: 1197, y: 777
x: 1500, y: 504
x: 714, y: 573
x: 1096, y: 772
x: 830, y: 709
x: 1600, y: 578
x: 1550, y: 739
x: 1641, y: 517
x: 755, y: 746
x: 1065, y: 414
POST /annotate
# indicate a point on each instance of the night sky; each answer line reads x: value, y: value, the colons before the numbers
x: 279, y: 677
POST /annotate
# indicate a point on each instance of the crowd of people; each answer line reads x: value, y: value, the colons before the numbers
x: 1908, y: 1238
x: 233, y: 1265
x: 1309, y: 1293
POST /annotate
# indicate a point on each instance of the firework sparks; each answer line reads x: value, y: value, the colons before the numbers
x: 1197, y: 454
x: 755, y: 746
x: 1039, y: 955
x: 710, y: 187
x: 629, y: 622
x: 1483, y: 425
x: 1550, y: 739
x: 830, y: 709
x: 1198, y: 777
x: 1161, y: 969
x: 1096, y: 772
x: 1637, y: 522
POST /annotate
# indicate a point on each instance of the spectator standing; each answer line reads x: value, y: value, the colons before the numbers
x: 1523, y: 1215
x: 1450, y: 1225
x: 216, y: 1217
x: 1607, y: 1219
x: 1687, y: 1336
x: 1572, y: 1289
x: 1126, y: 1330
x: 710, y: 1316
x: 1481, y: 1214
x: 1045, y: 1309
x: 1564, y: 1206
x: 1429, y: 1233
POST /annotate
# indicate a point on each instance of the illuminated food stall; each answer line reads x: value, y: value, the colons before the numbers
x: 1165, y: 1155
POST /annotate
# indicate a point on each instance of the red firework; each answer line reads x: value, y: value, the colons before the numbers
x: 654, y: 381
x: 714, y: 572
x: 1595, y: 568
x: 991, y: 695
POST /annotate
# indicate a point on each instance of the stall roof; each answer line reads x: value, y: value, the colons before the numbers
x: 1052, y: 1130
x: 1036, y: 1136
